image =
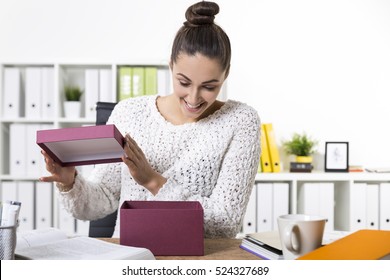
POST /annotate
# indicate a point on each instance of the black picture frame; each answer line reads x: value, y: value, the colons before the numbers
x: 336, y: 156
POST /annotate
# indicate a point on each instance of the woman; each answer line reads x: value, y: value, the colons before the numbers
x: 185, y: 146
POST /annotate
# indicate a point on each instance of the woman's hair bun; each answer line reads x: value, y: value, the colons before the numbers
x: 201, y: 13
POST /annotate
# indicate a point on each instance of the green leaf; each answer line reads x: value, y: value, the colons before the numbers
x: 73, y: 93
x: 300, y: 145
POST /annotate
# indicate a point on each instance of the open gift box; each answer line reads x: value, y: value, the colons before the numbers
x: 82, y: 145
x: 167, y: 228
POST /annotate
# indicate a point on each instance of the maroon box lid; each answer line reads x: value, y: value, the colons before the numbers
x: 82, y: 145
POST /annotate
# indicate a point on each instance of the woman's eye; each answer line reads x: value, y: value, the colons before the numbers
x: 184, y: 84
x: 209, y: 88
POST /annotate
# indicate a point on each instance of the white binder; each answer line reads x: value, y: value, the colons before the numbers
x: 9, y: 191
x: 317, y: 199
x: 309, y: 199
x: 33, y: 151
x: 82, y: 228
x: 384, y: 206
x: 163, y: 82
x: 43, y: 205
x: 264, y: 206
x: 91, y: 92
x: 33, y: 92
x: 105, y: 86
x: 249, y: 223
x: 26, y: 197
x: 280, y: 202
x: 12, y: 93
x: 41, y: 162
x: 372, y: 212
x: 48, y: 92
x: 18, y: 162
x: 358, y: 206
x: 326, y: 204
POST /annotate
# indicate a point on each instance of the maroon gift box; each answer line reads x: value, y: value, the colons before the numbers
x: 167, y: 228
x: 82, y: 145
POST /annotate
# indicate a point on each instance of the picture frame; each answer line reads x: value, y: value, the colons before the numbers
x: 336, y: 156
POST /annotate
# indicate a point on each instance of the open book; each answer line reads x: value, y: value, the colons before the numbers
x: 54, y: 244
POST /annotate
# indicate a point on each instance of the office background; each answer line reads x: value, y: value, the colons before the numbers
x: 322, y: 67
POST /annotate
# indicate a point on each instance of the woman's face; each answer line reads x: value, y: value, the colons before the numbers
x: 197, y: 81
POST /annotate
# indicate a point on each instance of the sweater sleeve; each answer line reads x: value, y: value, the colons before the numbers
x: 95, y: 197
x: 224, y: 208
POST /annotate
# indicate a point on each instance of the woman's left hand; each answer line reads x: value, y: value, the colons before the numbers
x: 139, y: 167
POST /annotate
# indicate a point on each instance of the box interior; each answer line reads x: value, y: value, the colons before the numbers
x: 87, y: 149
x: 169, y: 205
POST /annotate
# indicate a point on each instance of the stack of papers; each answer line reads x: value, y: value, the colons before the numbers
x: 266, y: 245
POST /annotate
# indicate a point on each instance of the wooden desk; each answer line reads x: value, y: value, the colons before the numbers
x: 214, y: 249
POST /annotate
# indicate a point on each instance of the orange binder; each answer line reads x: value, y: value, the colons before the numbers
x: 363, y: 244
x: 264, y: 158
x: 272, y: 147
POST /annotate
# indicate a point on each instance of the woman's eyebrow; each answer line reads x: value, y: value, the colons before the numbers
x: 206, y: 82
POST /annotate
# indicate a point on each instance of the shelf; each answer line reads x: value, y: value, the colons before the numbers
x: 76, y: 121
x: 322, y: 176
x: 25, y: 120
x: 18, y: 178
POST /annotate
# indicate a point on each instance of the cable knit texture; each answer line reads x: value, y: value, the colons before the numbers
x: 213, y: 161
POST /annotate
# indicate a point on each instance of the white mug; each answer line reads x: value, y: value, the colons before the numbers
x: 300, y: 234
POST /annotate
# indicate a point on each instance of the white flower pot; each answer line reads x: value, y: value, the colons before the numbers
x: 72, y: 109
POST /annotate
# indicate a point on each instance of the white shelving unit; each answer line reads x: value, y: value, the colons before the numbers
x: 74, y: 73
x: 344, y: 184
x: 63, y: 74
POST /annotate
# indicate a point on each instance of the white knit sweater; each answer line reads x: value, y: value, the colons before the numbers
x: 213, y: 161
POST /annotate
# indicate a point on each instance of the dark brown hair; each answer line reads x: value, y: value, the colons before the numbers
x: 200, y: 34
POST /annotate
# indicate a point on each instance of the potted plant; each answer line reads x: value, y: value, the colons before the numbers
x: 72, y: 105
x: 302, y: 146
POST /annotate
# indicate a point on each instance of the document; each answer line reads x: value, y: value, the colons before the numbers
x: 54, y: 244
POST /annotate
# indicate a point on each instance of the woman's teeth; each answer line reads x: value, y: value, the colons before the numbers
x: 193, y: 106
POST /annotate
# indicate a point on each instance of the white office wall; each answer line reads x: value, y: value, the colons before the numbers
x: 317, y: 66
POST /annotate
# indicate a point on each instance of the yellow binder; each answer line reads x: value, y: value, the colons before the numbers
x: 264, y: 158
x: 272, y: 147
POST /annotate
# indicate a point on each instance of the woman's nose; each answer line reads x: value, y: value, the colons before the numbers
x: 193, y: 96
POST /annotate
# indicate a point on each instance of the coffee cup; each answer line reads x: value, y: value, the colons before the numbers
x: 300, y: 234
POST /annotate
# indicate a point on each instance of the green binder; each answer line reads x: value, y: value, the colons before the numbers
x: 150, y: 80
x: 125, y: 83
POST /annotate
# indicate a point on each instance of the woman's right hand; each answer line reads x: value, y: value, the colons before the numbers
x: 65, y: 176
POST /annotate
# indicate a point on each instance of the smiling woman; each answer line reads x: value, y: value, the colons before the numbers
x: 195, y: 92
x: 187, y: 146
